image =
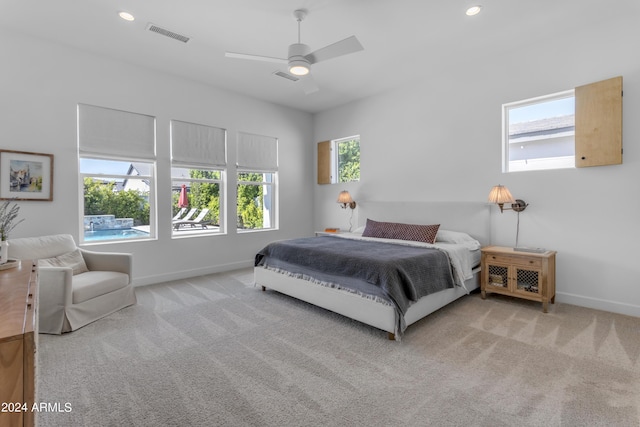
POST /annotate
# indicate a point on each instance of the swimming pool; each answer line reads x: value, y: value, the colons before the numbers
x: 124, y: 233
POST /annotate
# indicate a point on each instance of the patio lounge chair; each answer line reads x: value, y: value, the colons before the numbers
x: 187, y: 217
x: 193, y: 222
x: 179, y: 214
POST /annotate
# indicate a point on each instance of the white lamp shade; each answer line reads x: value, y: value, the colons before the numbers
x: 500, y: 195
x: 345, y: 197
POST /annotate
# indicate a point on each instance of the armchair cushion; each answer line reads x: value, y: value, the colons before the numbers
x: 72, y: 259
x: 41, y: 247
x: 93, y: 284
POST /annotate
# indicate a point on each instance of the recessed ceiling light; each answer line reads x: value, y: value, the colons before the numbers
x: 126, y: 16
x: 473, y: 10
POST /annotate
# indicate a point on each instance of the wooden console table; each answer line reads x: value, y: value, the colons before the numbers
x: 18, y: 339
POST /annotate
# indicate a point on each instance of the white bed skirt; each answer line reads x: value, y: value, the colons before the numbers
x: 351, y: 305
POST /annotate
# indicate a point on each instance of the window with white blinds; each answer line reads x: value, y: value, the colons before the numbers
x: 195, y: 144
x: 198, y: 156
x: 117, y: 158
x: 257, y: 152
x: 114, y: 133
x: 257, y: 162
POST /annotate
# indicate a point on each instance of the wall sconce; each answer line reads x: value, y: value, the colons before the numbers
x: 344, y: 198
x: 501, y: 195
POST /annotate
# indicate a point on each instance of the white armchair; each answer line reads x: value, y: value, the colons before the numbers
x: 77, y: 286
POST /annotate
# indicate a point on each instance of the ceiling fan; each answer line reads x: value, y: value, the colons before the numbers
x: 300, y: 59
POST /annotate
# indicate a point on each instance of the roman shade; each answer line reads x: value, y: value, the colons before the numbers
x: 194, y: 144
x: 114, y: 133
x: 257, y: 152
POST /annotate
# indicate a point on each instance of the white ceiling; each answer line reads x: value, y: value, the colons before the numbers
x: 403, y: 40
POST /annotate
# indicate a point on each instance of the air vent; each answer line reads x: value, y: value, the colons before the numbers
x: 286, y: 76
x: 167, y: 33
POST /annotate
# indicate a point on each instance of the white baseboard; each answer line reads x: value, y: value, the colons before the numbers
x: 185, y: 274
x: 598, y: 304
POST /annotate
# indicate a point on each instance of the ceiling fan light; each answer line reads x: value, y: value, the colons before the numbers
x: 299, y: 68
x: 473, y: 10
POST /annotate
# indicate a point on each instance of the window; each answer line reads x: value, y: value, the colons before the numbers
x: 539, y: 133
x: 202, y: 212
x: 339, y: 160
x: 346, y: 163
x: 257, y: 176
x: 117, y: 174
x: 116, y: 199
x: 255, y: 200
x: 198, y: 156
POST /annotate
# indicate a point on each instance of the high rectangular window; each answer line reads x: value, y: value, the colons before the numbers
x: 539, y: 133
x: 346, y: 162
x: 339, y: 160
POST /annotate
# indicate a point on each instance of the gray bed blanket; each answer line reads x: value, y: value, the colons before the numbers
x: 397, y: 274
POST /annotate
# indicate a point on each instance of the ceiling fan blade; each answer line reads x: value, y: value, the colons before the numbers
x: 256, y: 57
x: 309, y: 84
x: 343, y: 47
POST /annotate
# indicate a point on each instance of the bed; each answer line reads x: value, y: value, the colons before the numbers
x: 330, y: 292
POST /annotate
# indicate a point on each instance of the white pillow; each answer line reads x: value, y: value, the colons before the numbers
x: 359, y: 230
x: 448, y: 236
x: 71, y: 259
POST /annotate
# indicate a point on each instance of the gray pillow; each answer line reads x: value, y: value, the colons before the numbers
x: 71, y: 259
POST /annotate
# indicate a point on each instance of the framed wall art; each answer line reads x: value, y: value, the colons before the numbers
x: 26, y: 176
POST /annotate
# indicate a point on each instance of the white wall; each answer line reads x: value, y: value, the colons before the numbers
x: 440, y: 139
x: 40, y: 87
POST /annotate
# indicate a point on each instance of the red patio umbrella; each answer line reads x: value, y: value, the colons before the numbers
x: 183, y: 201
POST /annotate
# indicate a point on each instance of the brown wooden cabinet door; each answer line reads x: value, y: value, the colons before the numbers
x: 598, y: 121
x: 324, y: 162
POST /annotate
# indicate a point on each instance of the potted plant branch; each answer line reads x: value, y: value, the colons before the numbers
x: 8, y: 221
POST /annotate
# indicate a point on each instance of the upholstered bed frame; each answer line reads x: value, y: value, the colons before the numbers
x: 470, y: 217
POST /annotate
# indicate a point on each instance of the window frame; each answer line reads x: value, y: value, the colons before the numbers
x: 273, y: 185
x: 221, y: 198
x: 328, y: 160
x: 506, y: 146
x: 151, y: 178
x: 335, y: 159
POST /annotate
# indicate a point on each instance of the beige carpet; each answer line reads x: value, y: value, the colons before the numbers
x: 214, y: 350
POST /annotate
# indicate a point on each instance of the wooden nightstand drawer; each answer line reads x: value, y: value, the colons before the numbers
x: 516, y: 260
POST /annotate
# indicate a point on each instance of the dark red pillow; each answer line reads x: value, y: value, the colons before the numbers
x: 396, y: 230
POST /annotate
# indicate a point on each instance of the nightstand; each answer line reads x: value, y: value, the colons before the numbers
x: 527, y: 275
